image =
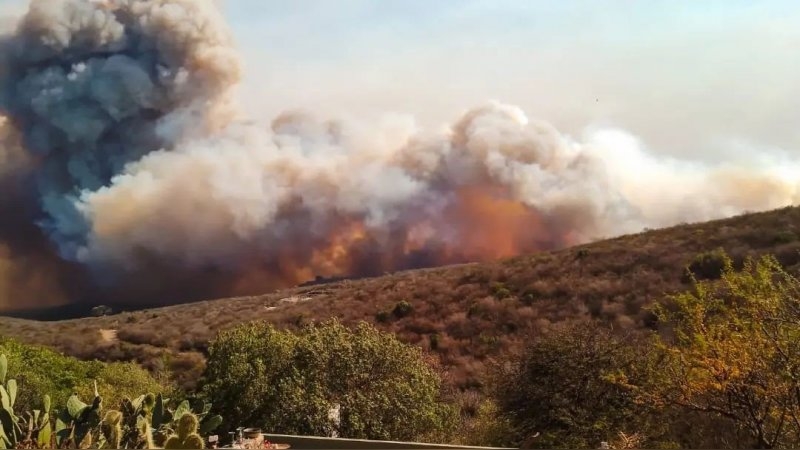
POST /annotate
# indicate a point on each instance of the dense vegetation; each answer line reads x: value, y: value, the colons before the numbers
x: 288, y: 383
x: 37, y: 412
x: 557, y: 389
x: 465, y: 315
x: 720, y: 370
x: 40, y: 371
x: 285, y: 382
x: 673, y: 338
x: 723, y: 373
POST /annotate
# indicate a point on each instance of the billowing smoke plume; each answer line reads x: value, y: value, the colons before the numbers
x: 133, y: 177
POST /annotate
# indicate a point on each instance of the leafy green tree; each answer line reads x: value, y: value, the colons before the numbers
x: 560, y: 392
x: 734, y: 352
x: 486, y: 428
x: 288, y: 383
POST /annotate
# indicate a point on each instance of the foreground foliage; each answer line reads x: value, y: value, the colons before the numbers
x: 557, y: 394
x: 147, y: 421
x: 465, y: 314
x: 723, y: 371
x: 736, y: 352
x: 720, y: 373
x: 288, y: 383
x: 39, y: 370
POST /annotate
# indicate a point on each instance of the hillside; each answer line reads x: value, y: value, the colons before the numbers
x: 462, y: 314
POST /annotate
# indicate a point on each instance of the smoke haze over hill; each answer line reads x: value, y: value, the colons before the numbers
x: 131, y: 174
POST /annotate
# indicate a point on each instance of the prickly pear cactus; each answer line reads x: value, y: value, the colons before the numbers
x: 165, y: 420
x: 11, y: 433
x: 186, y: 436
x: 75, y: 423
x: 111, y: 427
x: 36, y: 427
x: 136, y: 425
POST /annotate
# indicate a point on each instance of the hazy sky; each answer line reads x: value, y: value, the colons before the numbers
x: 711, y: 79
x: 700, y: 79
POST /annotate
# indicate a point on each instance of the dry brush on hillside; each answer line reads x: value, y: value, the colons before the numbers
x: 464, y: 315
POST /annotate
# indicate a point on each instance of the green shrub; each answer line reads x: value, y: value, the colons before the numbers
x: 709, y: 265
x: 556, y: 393
x: 382, y: 316
x: 733, y: 352
x: 473, y: 309
x: 487, y: 428
x: 529, y: 298
x: 40, y: 371
x: 784, y: 237
x: 402, y: 309
x: 258, y: 376
x: 434, y: 341
x: 500, y: 291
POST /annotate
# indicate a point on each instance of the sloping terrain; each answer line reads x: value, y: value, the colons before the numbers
x: 463, y: 314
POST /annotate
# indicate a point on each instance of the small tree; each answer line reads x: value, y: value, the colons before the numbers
x: 558, y: 393
x: 735, y: 351
x: 288, y: 383
x: 707, y: 265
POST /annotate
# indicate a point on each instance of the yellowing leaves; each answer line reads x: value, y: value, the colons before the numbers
x: 737, y: 350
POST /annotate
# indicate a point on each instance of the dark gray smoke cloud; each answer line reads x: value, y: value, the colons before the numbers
x: 95, y: 85
x: 85, y: 88
x: 134, y: 177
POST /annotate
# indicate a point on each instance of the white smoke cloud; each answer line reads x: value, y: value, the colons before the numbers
x: 144, y: 155
x: 666, y: 190
x: 241, y: 188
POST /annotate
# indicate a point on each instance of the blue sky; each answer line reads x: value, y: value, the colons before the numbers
x: 691, y: 78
